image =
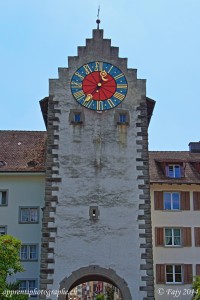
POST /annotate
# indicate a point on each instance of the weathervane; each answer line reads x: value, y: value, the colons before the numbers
x: 98, y: 21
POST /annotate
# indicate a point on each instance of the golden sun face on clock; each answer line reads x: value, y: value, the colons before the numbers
x: 99, y: 86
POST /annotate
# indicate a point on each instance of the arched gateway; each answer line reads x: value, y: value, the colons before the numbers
x: 94, y: 273
x: 97, y: 200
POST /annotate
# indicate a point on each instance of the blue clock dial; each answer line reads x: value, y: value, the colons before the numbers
x: 99, y: 86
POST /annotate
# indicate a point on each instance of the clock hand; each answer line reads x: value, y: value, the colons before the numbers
x: 88, y: 97
x: 103, y: 74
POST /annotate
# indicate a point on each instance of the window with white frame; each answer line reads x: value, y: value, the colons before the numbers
x: 171, y: 201
x: 174, y: 274
x: 172, y: 237
x: 28, y: 215
x: 3, y: 198
x: 174, y: 171
x: 29, y: 252
x: 3, y: 230
x: 28, y: 285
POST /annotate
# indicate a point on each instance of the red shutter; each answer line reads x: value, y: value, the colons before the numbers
x: 159, y: 236
x: 196, y: 200
x: 198, y: 270
x: 197, y: 236
x: 185, y: 200
x: 158, y: 200
x: 188, y: 276
x: 186, y: 237
x: 160, y: 273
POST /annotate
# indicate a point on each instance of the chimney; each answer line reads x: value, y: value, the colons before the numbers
x: 194, y: 147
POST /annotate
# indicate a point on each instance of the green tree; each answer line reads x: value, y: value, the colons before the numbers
x: 9, y: 264
x: 110, y: 292
x: 196, y: 287
x: 100, y: 297
x: 13, y: 293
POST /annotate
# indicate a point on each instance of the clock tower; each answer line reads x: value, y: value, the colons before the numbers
x: 97, y: 216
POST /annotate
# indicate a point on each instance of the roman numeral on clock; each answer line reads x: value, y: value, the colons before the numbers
x: 119, y: 96
x: 76, y: 85
x: 119, y: 76
x: 79, y: 95
x: 87, y: 69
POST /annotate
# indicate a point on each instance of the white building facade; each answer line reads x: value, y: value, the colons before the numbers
x: 22, y: 178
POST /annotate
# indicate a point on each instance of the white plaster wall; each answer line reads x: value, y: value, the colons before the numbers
x: 113, y: 241
x: 23, y: 190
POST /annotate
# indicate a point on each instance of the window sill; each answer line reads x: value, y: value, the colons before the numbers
x: 28, y: 222
x: 123, y: 123
x: 172, y: 246
x: 29, y: 260
x: 174, y: 283
x: 76, y: 123
x: 172, y: 210
x: 175, y: 177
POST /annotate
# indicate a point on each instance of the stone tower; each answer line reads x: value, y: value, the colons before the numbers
x: 97, y: 217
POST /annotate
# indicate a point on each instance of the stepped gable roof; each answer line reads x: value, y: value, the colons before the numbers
x: 22, y: 151
x: 190, y: 163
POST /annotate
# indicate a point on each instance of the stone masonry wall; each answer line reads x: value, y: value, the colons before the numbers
x: 100, y: 164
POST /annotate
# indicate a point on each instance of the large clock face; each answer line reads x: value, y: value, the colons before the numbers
x: 99, y: 86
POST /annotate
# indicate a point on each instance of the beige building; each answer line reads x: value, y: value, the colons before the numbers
x: 175, y: 195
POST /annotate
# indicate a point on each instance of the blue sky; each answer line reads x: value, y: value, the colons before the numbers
x: 161, y: 38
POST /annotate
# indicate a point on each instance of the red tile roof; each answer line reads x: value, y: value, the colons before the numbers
x: 190, y: 162
x: 22, y: 151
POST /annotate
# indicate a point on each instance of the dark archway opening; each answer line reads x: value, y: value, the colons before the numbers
x: 94, y: 273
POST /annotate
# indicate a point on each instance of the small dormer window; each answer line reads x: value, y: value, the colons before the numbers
x: 173, y: 171
x: 2, y: 163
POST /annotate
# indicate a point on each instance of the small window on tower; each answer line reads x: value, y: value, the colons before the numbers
x: 94, y: 212
x: 122, y: 118
x: 76, y: 116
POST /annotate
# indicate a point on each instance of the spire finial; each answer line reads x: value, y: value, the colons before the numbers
x: 98, y: 21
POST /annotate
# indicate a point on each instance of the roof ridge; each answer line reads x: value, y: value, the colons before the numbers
x: 161, y: 151
x: 23, y: 131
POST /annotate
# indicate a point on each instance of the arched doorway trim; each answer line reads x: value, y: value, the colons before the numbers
x: 94, y: 272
